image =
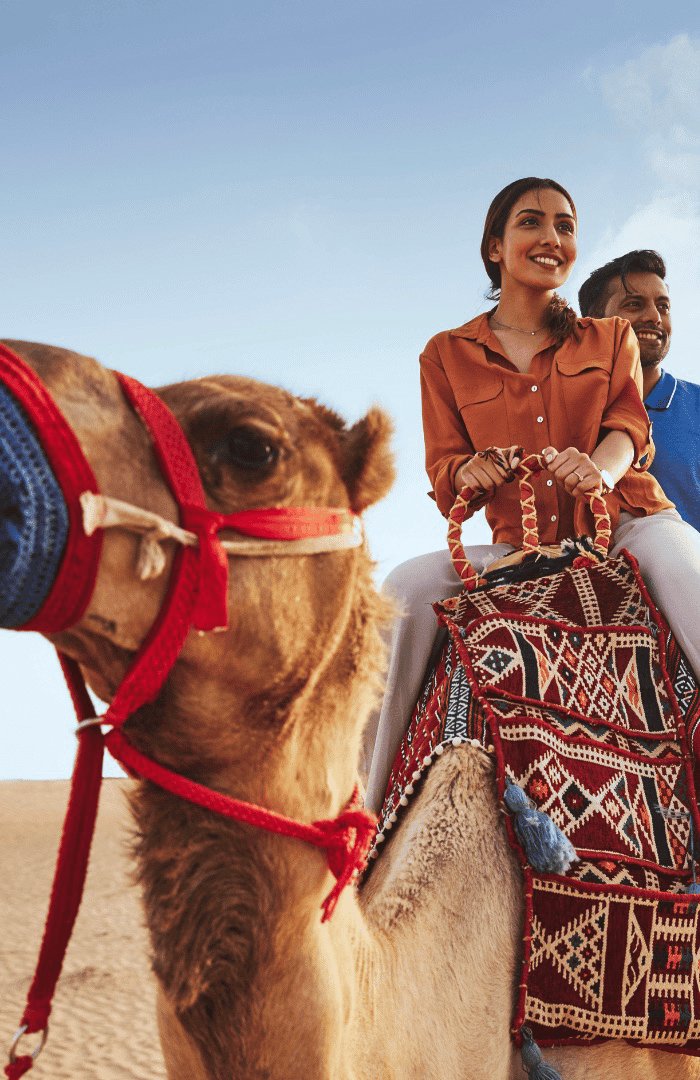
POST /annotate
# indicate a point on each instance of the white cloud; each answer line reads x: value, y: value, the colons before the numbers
x: 671, y: 225
x: 657, y: 94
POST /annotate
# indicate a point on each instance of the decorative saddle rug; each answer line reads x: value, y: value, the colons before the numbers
x: 574, y: 682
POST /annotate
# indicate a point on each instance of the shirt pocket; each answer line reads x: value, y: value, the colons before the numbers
x: 582, y: 389
x: 482, y: 408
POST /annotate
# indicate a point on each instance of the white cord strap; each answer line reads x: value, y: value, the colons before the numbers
x: 103, y: 512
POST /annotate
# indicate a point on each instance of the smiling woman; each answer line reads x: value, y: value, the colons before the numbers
x: 527, y: 377
x: 530, y: 237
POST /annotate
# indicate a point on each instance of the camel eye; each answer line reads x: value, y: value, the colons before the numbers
x: 249, y: 449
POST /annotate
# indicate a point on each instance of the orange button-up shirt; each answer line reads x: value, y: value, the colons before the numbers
x: 474, y: 397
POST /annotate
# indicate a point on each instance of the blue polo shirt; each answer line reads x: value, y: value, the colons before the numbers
x: 674, y: 410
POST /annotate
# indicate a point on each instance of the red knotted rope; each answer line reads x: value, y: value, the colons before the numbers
x: 71, y: 868
x: 19, y: 1067
x: 346, y: 839
x: 529, y: 466
x: 287, y: 522
x: 209, y: 609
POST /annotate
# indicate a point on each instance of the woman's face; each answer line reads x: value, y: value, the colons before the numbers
x: 538, y: 246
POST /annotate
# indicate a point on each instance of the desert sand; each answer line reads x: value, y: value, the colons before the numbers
x: 103, y: 1021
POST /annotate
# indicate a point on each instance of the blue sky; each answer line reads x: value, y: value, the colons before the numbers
x: 295, y: 191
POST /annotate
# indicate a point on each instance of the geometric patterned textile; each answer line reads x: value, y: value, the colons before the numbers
x: 576, y: 686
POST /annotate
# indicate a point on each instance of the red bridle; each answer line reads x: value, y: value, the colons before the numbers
x: 197, y: 596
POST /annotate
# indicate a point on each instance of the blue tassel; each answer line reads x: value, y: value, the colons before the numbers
x: 533, y: 1063
x: 547, y: 849
x: 693, y: 888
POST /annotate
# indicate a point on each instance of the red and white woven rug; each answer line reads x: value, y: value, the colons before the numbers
x: 574, y: 683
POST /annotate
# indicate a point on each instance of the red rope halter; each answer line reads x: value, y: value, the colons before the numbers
x: 196, y: 596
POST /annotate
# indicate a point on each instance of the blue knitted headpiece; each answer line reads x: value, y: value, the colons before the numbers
x: 33, y: 517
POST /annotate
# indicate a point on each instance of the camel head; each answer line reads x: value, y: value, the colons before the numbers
x: 290, y: 618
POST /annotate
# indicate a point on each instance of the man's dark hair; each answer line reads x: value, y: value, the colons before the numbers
x: 595, y: 291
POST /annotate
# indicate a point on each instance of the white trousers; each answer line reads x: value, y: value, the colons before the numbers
x: 666, y: 547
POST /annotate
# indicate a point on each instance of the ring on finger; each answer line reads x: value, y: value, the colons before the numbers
x: 580, y: 478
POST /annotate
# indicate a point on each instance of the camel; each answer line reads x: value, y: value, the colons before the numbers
x: 414, y: 976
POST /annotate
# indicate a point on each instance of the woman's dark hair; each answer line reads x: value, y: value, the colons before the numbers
x: 561, y: 319
x: 595, y: 291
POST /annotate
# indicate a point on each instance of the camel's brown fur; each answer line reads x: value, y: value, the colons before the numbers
x: 414, y: 979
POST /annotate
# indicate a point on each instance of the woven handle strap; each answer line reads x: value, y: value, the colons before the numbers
x: 530, y: 466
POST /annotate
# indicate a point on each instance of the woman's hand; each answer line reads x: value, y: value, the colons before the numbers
x: 483, y: 473
x: 576, y: 472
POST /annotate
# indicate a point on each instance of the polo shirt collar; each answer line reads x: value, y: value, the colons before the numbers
x: 661, y: 395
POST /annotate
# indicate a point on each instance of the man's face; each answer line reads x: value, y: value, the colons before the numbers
x: 647, y: 305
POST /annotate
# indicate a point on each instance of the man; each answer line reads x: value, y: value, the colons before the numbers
x: 633, y: 286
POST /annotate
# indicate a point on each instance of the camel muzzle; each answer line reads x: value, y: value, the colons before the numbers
x: 48, y: 564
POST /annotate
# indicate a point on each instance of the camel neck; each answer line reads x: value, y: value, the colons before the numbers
x: 209, y: 882
x: 234, y: 913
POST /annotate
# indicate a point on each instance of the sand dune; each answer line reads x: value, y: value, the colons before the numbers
x: 103, y: 1021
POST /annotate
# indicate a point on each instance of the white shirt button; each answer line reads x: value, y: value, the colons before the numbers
x: 534, y: 389
x: 553, y: 517
x: 549, y: 483
x: 540, y: 419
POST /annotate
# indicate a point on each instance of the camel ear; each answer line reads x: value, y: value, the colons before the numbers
x: 367, y: 459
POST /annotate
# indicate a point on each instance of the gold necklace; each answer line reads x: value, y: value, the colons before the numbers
x: 505, y: 326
